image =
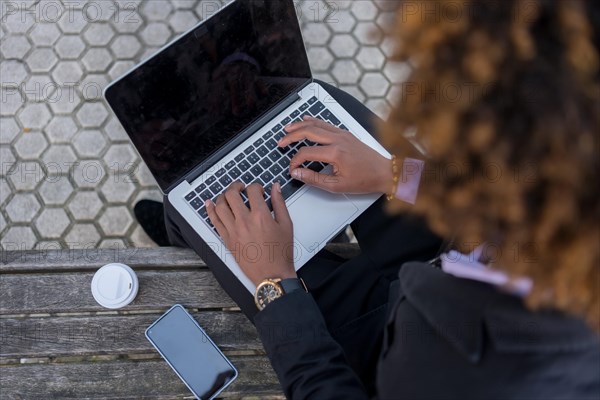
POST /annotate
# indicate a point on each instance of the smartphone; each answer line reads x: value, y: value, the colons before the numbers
x: 191, y: 353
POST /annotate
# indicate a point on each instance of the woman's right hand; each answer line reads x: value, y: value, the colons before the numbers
x: 357, y: 168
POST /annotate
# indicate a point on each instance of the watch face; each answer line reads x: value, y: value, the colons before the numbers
x: 267, y: 293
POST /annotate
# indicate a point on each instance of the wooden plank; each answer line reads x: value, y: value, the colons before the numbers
x: 124, y: 379
x: 70, y: 292
x: 82, y: 336
x: 92, y: 259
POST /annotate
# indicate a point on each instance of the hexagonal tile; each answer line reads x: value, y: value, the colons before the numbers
x: 60, y: 155
x: 41, y: 60
x: 22, y: 207
x: 368, y: 33
x: 8, y: 130
x: 7, y: 158
x: 39, y: 88
x: 44, y: 34
x: 52, y: 223
x: 67, y: 73
x: 364, y: 10
x: 13, y: 100
x: 320, y: 58
x: 92, y: 115
x: 120, y: 157
x: 18, y: 238
x: 89, y: 173
x: 98, y: 34
x: 12, y: 72
x: 386, y: 21
x: 85, y: 205
x: 397, y: 72
x: 129, y: 22
x: 92, y: 85
x: 90, y: 143
x: 100, y: 11
x: 181, y: 21
x: 96, y: 60
x: 140, y: 239
x: 115, y: 244
x: 26, y: 175
x: 115, y: 130
x: 15, y: 47
x: 343, y: 22
x: 184, y: 4
x: 155, y: 10
x: 393, y: 96
x: 118, y: 189
x: 34, y: 116
x: 125, y: 46
x: 82, y: 236
x: 370, y: 58
x: 316, y: 33
x: 72, y: 22
x: 18, y: 22
x: 4, y: 191
x: 343, y: 45
x: 115, y: 221
x: 56, y: 190
x: 69, y: 47
x: 30, y: 145
x: 119, y: 68
x: 374, y: 84
x: 149, y: 194
x: 143, y: 175
x: 65, y: 100
x: 346, y: 71
x: 2, y: 223
x: 354, y: 91
x: 380, y: 107
x: 156, y: 34
x: 61, y: 129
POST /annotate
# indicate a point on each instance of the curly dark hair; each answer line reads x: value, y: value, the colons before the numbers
x: 505, y: 98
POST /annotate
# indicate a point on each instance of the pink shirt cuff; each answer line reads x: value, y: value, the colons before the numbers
x: 409, y: 180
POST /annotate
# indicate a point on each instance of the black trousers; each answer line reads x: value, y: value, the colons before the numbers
x: 352, y: 294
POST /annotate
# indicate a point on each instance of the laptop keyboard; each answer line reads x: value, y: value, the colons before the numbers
x: 263, y: 162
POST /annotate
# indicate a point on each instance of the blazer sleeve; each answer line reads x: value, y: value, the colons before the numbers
x: 309, y: 363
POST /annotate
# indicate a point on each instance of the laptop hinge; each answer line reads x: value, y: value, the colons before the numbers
x: 232, y: 144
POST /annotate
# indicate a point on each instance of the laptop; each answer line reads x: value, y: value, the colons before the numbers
x: 209, y: 108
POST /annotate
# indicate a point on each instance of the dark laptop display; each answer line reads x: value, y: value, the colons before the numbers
x: 188, y: 101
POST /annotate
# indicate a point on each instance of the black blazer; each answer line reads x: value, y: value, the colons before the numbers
x: 446, y: 338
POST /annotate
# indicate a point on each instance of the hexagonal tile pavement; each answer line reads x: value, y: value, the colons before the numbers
x: 316, y: 33
x: 85, y: 205
x: 374, y: 84
x: 61, y: 129
x: 90, y: 143
x: 41, y: 60
x: 155, y: 10
x: 98, y: 34
x: 343, y: 45
x: 370, y: 58
x: 115, y: 221
x: 120, y: 156
x: 4, y: 190
x: 25, y: 175
x: 67, y: 73
x: 60, y: 155
x: 92, y: 115
x: 34, y: 116
x: 15, y: 47
x: 52, y: 222
x: 82, y: 236
x: 346, y: 72
x: 12, y: 72
x: 18, y: 238
x: 30, y: 145
x: 96, y: 60
x: 156, y: 34
x: 22, y: 207
x: 118, y: 189
x: 320, y: 58
x: 55, y: 190
x: 8, y: 130
x: 45, y: 34
x: 69, y: 47
x: 181, y: 21
x: 126, y: 46
x: 66, y: 100
x: 3, y: 223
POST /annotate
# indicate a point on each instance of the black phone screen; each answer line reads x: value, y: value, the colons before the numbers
x: 191, y: 353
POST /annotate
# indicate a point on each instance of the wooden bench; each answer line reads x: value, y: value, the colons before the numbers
x: 57, y: 342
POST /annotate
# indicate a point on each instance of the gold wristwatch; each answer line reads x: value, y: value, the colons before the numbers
x: 271, y: 289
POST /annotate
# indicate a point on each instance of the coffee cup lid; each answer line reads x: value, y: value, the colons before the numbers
x: 114, y: 285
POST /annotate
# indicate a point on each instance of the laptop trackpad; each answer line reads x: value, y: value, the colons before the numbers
x: 317, y: 214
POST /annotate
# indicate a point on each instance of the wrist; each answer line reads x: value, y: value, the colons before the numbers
x: 386, y: 177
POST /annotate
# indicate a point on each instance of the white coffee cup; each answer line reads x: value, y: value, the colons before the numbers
x: 114, y: 285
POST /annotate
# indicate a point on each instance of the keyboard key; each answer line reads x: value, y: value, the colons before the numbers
x: 316, y: 108
x: 284, y: 162
x: 262, y: 151
x: 342, y: 126
x: 258, y: 142
x: 286, y: 121
x: 306, y: 114
x: 203, y: 213
x: 282, y: 181
x: 210, y: 180
x: 277, y: 128
x: 295, y: 113
x: 279, y: 135
x: 290, y: 188
x: 271, y: 144
x: 312, y: 100
x: 249, y: 150
x: 239, y: 157
x: 274, y: 156
x: 304, y: 106
x: 197, y: 203
x: 267, y: 135
x: 256, y: 170
x: 220, y: 172
x: 230, y: 165
x: 235, y: 173
x: 265, y: 163
x: 247, y: 178
x: 275, y: 169
x: 315, y: 166
x: 253, y: 158
x: 201, y: 188
x: 206, y: 195
x: 226, y: 181
x: 266, y: 177
x: 190, y: 196
x: 216, y: 188
x: 244, y: 165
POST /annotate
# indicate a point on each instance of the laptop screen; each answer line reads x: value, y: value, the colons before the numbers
x: 189, y: 100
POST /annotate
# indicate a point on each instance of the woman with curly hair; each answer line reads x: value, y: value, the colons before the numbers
x: 504, y: 103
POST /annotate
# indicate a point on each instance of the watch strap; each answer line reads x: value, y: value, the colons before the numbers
x: 290, y: 285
